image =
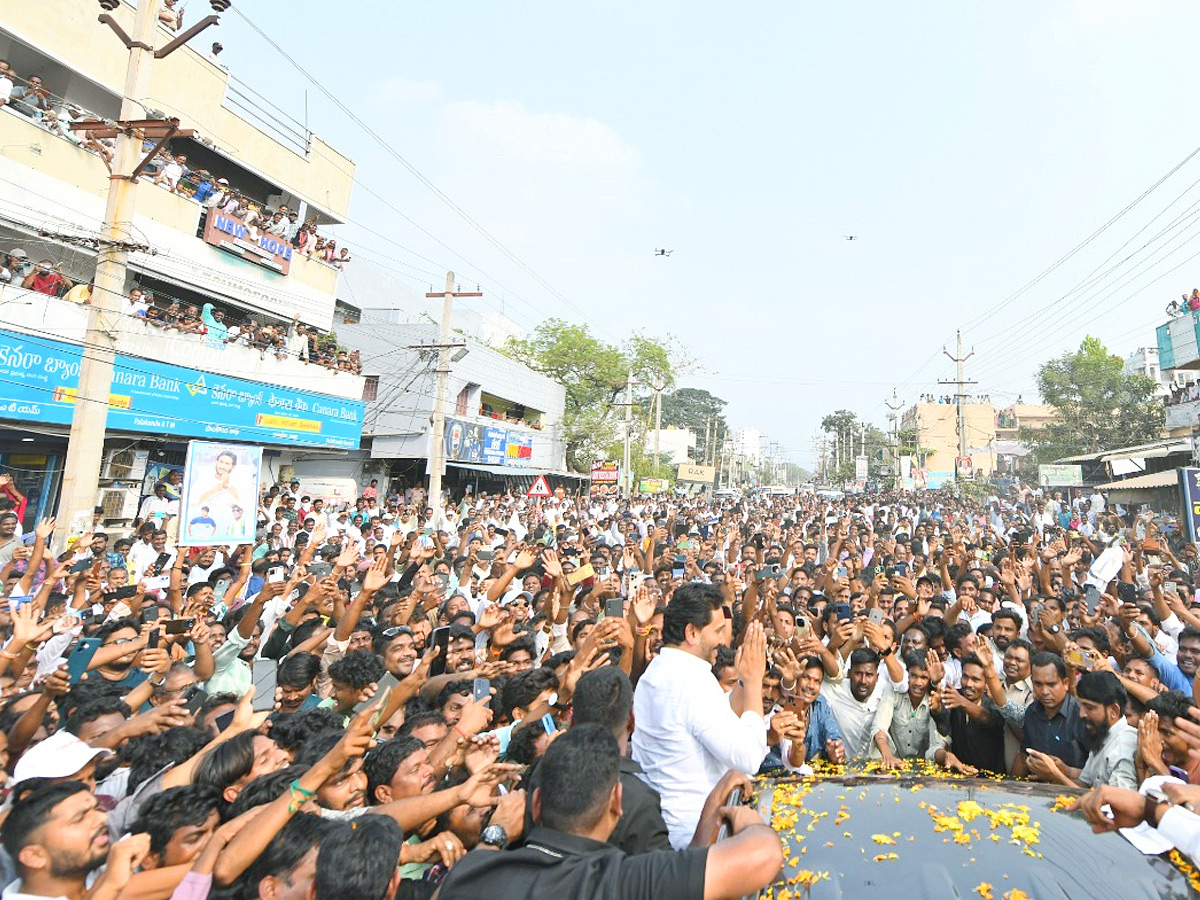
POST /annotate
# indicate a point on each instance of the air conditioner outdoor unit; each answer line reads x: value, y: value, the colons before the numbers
x: 124, y: 465
x: 118, y: 503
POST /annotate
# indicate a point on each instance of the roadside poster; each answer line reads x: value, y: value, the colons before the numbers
x: 220, y: 494
x: 1189, y: 486
x: 606, y: 478
x: 1060, y: 476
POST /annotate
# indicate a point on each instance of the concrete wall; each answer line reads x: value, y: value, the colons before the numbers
x: 937, y: 427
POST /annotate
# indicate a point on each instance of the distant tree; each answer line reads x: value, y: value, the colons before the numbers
x: 593, y: 373
x: 1098, y: 405
x: 698, y: 411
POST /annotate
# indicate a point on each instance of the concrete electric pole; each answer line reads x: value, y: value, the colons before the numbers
x: 959, y: 383
x: 437, y: 436
x: 85, y: 447
x: 894, y: 405
x: 627, y: 469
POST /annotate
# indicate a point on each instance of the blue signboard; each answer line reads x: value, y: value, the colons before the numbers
x: 39, y: 378
x: 494, y: 442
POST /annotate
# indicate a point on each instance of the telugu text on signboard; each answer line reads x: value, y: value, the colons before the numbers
x: 1060, y: 476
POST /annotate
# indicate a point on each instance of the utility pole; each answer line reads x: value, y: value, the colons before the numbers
x: 959, y: 383
x: 437, y: 435
x: 628, y: 473
x: 894, y: 405
x: 89, y: 416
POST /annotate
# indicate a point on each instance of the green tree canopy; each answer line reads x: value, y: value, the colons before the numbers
x: 1098, y: 405
x: 698, y: 411
x: 594, y: 372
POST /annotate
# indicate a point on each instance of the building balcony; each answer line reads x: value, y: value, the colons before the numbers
x: 49, y: 189
x: 82, y: 62
x: 43, y: 317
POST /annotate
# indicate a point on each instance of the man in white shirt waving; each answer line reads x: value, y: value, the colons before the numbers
x: 687, y: 731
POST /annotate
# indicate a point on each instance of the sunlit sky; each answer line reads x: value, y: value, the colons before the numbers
x: 967, y: 147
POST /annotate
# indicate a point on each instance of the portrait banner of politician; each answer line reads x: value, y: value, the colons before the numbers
x: 220, y: 491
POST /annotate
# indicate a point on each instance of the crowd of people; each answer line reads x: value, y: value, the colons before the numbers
x: 948, y: 399
x: 383, y: 700
x: 1188, y: 392
x: 209, y: 322
x: 169, y: 169
x: 1186, y: 304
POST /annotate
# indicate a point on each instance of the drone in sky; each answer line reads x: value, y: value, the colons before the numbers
x: 663, y: 252
x: 850, y: 237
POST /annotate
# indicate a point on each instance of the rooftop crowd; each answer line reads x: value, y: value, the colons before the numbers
x: 555, y: 699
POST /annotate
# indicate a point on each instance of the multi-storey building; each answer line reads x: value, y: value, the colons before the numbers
x: 170, y: 384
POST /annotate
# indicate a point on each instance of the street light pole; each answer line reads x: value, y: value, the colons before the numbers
x: 85, y: 447
x: 437, y: 437
x: 89, y: 417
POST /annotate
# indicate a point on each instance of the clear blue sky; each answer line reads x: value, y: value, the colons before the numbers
x: 966, y: 146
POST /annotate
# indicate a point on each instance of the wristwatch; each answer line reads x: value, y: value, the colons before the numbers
x: 1054, y: 629
x: 494, y: 836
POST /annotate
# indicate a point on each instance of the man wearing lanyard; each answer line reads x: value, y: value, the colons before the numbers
x: 687, y: 732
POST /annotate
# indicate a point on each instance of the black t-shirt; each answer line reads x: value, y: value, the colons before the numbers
x: 553, y: 865
x: 979, y: 743
x: 641, y: 828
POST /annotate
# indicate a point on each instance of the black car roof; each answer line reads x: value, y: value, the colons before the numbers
x: 920, y: 838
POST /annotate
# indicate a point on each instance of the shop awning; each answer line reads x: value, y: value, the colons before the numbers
x: 1169, y: 478
x: 1149, y: 451
x: 515, y: 471
x: 1138, y: 451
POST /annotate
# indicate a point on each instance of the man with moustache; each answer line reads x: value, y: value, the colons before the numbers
x: 689, y: 733
x: 1110, y: 740
x: 57, y: 835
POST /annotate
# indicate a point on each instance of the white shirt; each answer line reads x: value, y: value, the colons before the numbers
x: 687, y: 737
x: 1182, y: 828
x: 142, y: 556
x: 856, y: 721
x: 157, y: 507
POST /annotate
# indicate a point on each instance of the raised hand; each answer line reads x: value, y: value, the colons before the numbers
x: 551, y: 563
x: 752, y: 655
x: 26, y: 627
x: 348, y: 558
x: 526, y: 557
x: 376, y: 576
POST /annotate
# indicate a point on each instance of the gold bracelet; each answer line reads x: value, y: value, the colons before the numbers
x: 31, y: 646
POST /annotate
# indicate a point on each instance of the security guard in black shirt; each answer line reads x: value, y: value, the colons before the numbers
x: 577, y: 803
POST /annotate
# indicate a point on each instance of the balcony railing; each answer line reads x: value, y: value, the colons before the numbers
x: 50, y: 317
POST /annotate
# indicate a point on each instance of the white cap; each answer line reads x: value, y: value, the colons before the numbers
x: 58, y: 756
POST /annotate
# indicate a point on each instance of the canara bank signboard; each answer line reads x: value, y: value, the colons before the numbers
x: 229, y: 233
x: 39, y: 381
